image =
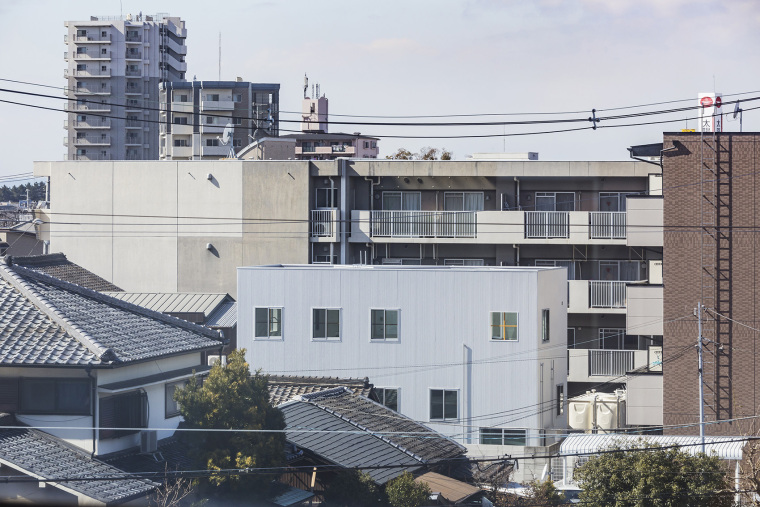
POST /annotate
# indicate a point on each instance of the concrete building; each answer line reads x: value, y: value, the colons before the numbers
x: 711, y: 190
x: 455, y: 348
x: 114, y: 66
x: 194, y: 115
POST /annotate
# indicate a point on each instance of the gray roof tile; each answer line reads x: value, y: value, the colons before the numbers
x: 283, y: 388
x: 59, y: 266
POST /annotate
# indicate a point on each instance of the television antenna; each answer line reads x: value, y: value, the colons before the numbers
x: 738, y: 110
x: 305, y: 84
x: 226, y: 140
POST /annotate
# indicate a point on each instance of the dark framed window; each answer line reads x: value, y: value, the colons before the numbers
x: 560, y: 399
x: 504, y: 326
x: 171, y: 407
x: 502, y: 436
x: 123, y: 414
x: 268, y: 323
x: 326, y: 324
x: 55, y: 396
x: 545, y: 325
x: 444, y: 404
x: 384, y: 325
x: 388, y: 397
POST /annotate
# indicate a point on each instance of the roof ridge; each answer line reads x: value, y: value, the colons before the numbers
x: 112, y: 301
x: 10, y: 275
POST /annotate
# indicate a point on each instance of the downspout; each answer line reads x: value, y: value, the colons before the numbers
x: 332, y: 244
x: 343, y: 230
x: 517, y: 193
x: 372, y: 186
x: 93, y: 408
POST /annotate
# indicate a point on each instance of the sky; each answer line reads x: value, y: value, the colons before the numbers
x: 423, y: 58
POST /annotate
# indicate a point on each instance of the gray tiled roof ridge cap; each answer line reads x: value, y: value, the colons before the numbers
x: 313, y: 398
x: 10, y: 275
x: 118, y: 303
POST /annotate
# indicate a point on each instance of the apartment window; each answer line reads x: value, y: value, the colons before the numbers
x: 463, y: 201
x: 463, y: 262
x: 366, y: 144
x: 626, y: 271
x: 180, y: 120
x: 180, y: 98
x: 209, y: 120
x: 384, y: 325
x: 82, y: 50
x: 103, y: 68
x: 373, y: 144
x: 104, y: 34
x: 237, y: 120
x: 238, y: 97
x: 444, y: 404
x: 128, y: 411
x: 611, y: 338
x: 81, y: 135
x: 212, y: 142
x: 502, y: 436
x: 560, y: 399
x: 55, y: 396
x: 180, y: 142
x: 171, y: 407
x: 612, y: 201
x: 81, y: 33
x: 212, y: 97
x: 504, y: 326
x: 326, y: 323
x: 326, y: 197
x: 81, y: 66
x: 390, y: 261
x: 388, y: 397
x: 103, y: 51
x: 571, y: 337
x: 81, y: 117
x: 570, y: 265
x: 103, y: 85
x: 268, y: 323
x: 545, y: 334
x: 402, y: 201
x: 555, y: 201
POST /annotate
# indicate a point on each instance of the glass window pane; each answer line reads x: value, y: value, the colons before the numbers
x: 510, y: 326
x: 333, y: 323
x: 275, y: 326
x: 436, y: 404
x: 38, y: 395
x: 473, y: 201
x: 390, y: 399
x: 319, y: 324
x: 73, y: 396
x: 490, y: 436
x: 391, y: 200
x: 496, y: 327
x: 545, y: 203
x: 412, y: 201
x: 565, y: 201
x: 391, y: 323
x: 453, y: 201
x: 261, y: 321
x: 545, y: 325
x: 514, y: 437
x: 450, y: 404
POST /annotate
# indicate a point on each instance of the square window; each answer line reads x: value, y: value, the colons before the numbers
x: 444, y: 404
x: 326, y: 324
x: 504, y: 326
x: 560, y: 400
x: 268, y: 323
x: 384, y: 325
x: 388, y: 397
x: 238, y: 97
x: 502, y: 436
x: 171, y: 407
x: 545, y: 325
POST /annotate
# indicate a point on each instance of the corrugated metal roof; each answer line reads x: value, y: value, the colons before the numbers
x: 224, y: 316
x: 723, y: 447
x: 174, y: 302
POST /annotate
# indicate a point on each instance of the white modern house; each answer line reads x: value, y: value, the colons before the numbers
x: 476, y: 353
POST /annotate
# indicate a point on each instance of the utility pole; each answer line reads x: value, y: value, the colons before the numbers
x: 701, y: 383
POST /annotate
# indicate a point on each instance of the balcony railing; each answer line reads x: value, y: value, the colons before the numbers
x: 610, y: 363
x: 133, y: 90
x: 607, y: 224
x: 87, y: 72
x: 94, y: 156
x: 83, y: 90
x: 92, y: 140
x: 90, y: 106
x: 607, y: 294
x: 133, y: 37
x: 87, y: 124
x: 95, y: 37
x: 133, y: 55
x: 547, y: 224
x: 322, y: 223
x: 423, y: 224
x: 133, y: 72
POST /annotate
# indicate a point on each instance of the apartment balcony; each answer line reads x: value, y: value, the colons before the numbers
x: 181, y: 130
x: 133, y: 105
x: 220, y: 151
x: 94, y: 156
x: 607, y: 224
x: 133, y: 141
x: 133, y: 72
x: 217, y: 105
x: 133, y: 90
x: 132, y: 37
x: 182, y: 107
x: 324, y: 225
x: 596, y: 296
x: 343, y: 150
x: 90, y: 106
x: 98, y: 72
x: 423, y: 224
x: 94, y: 37
x: 177, y: 65
x: 134, y: 124
x: 100, y: 55
x: 212, y: 128
x: 96, y: 123
x: 599, y: 366
x: 133, y: 55
x: 180, y: 49
x: 86, y: 90
x: 179, y: 152
x: 92, y: 141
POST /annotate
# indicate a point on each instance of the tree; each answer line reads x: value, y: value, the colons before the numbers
x: 353, y: 488
x: 404, y: 491
x: 401, y: 154
x: 426, y: 153
x: 663, y: 477
x: 172, y: 491
x: 232, y: 398
x: 544, y: 493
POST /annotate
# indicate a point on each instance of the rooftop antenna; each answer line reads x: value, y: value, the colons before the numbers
x: 305, y: 84
x: 220, y: 56
x: 312, y: 90
x: 738, y: 110
x: 226, y: 140
x: 317, y: 95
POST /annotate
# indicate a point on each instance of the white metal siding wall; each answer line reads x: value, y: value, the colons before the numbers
x: 442, y: 311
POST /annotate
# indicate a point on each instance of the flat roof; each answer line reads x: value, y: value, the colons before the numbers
x: 390, y: 267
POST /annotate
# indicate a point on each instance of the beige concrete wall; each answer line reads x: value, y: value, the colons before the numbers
x: 645, y: 221
x: 644, y: 303
x: 644, y: 405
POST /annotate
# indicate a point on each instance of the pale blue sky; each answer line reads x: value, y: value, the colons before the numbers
x: 393, y: 57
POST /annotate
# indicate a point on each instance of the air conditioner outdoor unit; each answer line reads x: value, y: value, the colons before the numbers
x: 148, y: 441
x: 211, y: 360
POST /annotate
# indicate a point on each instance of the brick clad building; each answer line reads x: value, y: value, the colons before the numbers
x: 711, y: 189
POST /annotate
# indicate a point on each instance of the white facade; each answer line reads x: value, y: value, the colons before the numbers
x: 442, y: 347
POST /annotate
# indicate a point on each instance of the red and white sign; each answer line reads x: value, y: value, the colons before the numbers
x: 706, y: 101
x: 718, y: 102
x: 710, y: 117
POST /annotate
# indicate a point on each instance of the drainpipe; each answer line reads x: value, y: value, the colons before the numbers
x: 343, y: 230
x: 517, y: 193
x: 93, y: 406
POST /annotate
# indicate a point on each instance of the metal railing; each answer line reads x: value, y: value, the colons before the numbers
x: 610, y: 363
x: 322, y: 223
x: 423, y: 224
x: 87, y: 124
x: 133, y: 55
x: 133, y: 37
x: 607, y: 294
x: 133, y: 72
x: 83, y: 90
x: 90, y: 106
x: 607, y: 224
x: 92, y: 140
x: 133, y: 89
x: 86, y: 72
x: 547, y: 224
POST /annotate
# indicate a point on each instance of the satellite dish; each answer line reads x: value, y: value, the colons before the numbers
x: 226, y: 139
x: 738, y: 111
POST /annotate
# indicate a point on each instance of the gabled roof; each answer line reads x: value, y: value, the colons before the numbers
x: 176, y: 302
x: 35, y: 453
x: 355, y: 431
x: 58, y: 266
x: 49, y: 322
x: 283, y: 388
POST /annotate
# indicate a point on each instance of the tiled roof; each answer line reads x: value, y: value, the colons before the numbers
x: 171, y: 454
x: 360, y: 431
x: 58, y: 266
x: 47, y: 321
x: 283, y: 388
x: 39, y: 454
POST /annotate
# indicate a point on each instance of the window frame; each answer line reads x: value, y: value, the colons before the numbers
x: 443, y: 392
x: 137, y: 398
x: 503, y: 325
x: 382, y: 392
x: 173, y: 386
x: 385, y: 338
x: 56, y: 410
x: 269, y: 336
x: 545, y: 325
x: 503, y: 438
x: 560, y: 394
x: 340, y: 324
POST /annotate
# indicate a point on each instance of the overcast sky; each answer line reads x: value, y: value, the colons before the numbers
x: 433, y: 57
